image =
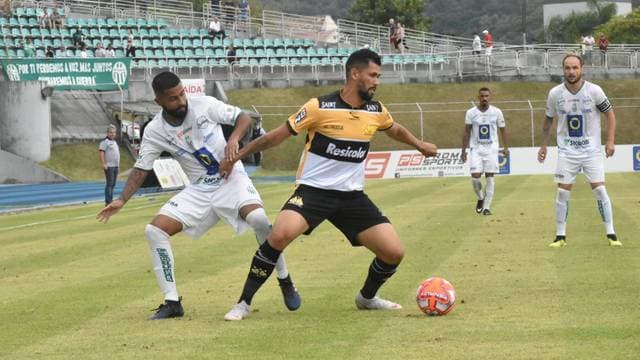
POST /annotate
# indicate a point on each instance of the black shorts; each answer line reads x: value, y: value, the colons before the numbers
x: 350, y: 211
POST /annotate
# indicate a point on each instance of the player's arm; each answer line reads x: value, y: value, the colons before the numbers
x: 465, y: 142
x: 135, y: 180
x: 399, y: 133
x: 243, y: 122
x: 504, y: 134
x: 610, y: 147
x: 102, y: 159
x: 546, y: 134
x: 269, y: 140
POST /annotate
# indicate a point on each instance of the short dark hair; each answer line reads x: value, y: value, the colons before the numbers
x: 361, y: 58
x: 574, y: 56
x: 484, y: 88
x: 164, y: 81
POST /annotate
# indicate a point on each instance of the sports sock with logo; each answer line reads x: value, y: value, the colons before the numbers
x: 562, y: 211
x: 489, y: 190
x: 262, y: 266
x: 379, y: 272
x: 477, y: 187
x: 162, y: 259
x: 259, y: 222
x: 604, y: 208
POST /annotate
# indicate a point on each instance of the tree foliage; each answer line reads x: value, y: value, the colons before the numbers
x: 409, y: 12
x: 574, y: 26
x: 623, y: 29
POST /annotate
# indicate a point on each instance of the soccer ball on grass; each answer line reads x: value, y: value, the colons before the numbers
x: 436, y: 296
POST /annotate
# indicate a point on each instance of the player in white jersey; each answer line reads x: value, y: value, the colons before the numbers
x: 481, y: 136
x: 578, y: 104
x: 191, y: 131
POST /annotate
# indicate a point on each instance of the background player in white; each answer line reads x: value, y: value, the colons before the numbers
x: 577, y: 104
x: 191, y: 132
x: 481, y: 136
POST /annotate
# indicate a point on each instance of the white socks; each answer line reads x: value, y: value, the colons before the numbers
x: 604, y: 208
x: 562, y: 211
x: 477, y: 187
x: 162, y: 259
x: 259, y: 222
x: 489, y: 189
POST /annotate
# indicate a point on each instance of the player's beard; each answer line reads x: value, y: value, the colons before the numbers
x: 366, y: 94
x: 575, y: 80
x: 179, y: 114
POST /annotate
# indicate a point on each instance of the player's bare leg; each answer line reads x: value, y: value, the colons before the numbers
x: 385, y: 243
x: 158, y: 233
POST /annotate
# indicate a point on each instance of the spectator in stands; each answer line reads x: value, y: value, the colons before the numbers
x: 131, y: 49
x: 29, y: 49
x: 45, y: 20
x: 49, y: 52
x: 83, y: 51
x: 110, y: 159
x: 392, y: 33
x: 231, y: 54
x: 588, y: 41
x: 61, y: 52
x: 245, y: 10
x: 401, y: 42
x: 215, y: 28
x: 100, y: 51
x: 110, y: 52
x: 476, y: 45
x: 57, y: 20
x: 603, y: 45
x: 257, y: 131
x: 78, y: 38
x: 488, y: 42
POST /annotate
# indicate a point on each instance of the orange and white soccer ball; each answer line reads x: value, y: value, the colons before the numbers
x: 436, y: 296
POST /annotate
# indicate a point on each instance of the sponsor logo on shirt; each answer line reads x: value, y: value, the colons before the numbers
x: 348, y: 152
x: 296, y: 201
x: 636, y: 158
x: 327, y: 105
x: 504, y: 163
x: 301, y: 115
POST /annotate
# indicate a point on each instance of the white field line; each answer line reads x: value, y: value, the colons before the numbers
x: 68, y: 219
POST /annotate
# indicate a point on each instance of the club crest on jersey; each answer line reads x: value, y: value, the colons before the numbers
x: 301, y: 115
x: 201, y: 122
x: 370, y: 129
x: 296, y: 201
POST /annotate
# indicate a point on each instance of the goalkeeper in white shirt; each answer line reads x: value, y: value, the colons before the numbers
x: 578, y: 105
x: 190, y: 130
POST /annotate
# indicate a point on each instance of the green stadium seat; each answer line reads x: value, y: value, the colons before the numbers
x: 106, y: 42
x: 159, y: 53
x: 176, y: 43
x: 116, y: 43
x: 278, y: 43
x: 189, y: 53
x: 206, y: 43
x: 152, y: 64
x: 220, y: 52
x: 184, y: 32
x: 47, y: 42
x: 226, y: 42
x: 239, y: 52
x: 172, y: 63
x: 37, y: 43
x: 321, y: 51
x: 166, y: 43
x: 301, y: 52
x: 101, y: 22
x: 15, y: 32
x: 291, y: 52
x: 309, y: 42
x: 268, y: 43
x: 199, y: 52
x: 64, y: 32
x: 193, y: 63
x: 294, y: 61
x: 57, y: 43
x: 217, y: 43
x: 202, y: 63
x: 122, y: 23
x: 332, y: 51
x: 94, y: 33
x: 19, y: 12
x: 288, y: 43
x: 62, y: 12
x: 173, y: 33
x: 141, y: 64
x: 183, y: 63
x: 119, y: 52
x: 194, y: 33
x: 13, y: 22
x: 152, y: 23
x: 81, y: 22
x: 260, y: 53
x: 197, y: 43
x: 162, y: 63
x: 298, y: 42
x: 146, y: 43
x: 111, y: 23
x: 237, y: 43
x: 30, y: 12
x: 270, y: 52
x: 92, y: 23
x: 179, y: 53
x: 143, y: 33
x: 148, y: 53
x: 203, y: 33
x: 156, y: 44
x: 161, y: 23
x: 25, y: 33
x: 3, y: 21
x: 11, y: 53
x: 114, y: 34
x: 3, y: 53
x: 186, y: 43
x: 247, y: 43
x: 23, y: 22
x: 209, y: 53
x: 169, y: 53
x: 280, y: 52
x: 33, y: 22
x: 249, y: 53
x: 20, y: 53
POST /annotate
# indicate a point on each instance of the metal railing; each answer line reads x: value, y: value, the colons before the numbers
x: 283, y: 25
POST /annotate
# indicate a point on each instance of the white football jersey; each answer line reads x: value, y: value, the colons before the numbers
x: 578, y: 132
x: 484, y: 128
x: 197, y: 144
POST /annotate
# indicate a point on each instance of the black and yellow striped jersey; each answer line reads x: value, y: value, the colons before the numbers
x: 337, y: 143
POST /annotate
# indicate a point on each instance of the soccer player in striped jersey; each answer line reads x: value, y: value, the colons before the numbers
x: 330, y: 181
x: 481, y: 136
x: 578, y: 104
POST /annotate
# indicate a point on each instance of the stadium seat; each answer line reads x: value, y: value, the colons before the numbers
x: 92, y: 23
x: 162, y: 63
x: 199, y: 52
x: 188, y: 53
x: 186, y: 43
x: 197, y: 43
x: 111, y: 24
x: 209, y: 53
x: 101, y: 23
x: 3, y: 53
x: 278, y: 43
x: 179, y: 53
x: 159, y: 53
x: 206, y: 43
x: 143, y: 33
x: 168, y: 53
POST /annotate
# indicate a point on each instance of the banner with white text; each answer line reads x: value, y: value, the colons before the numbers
x: 71, y: 73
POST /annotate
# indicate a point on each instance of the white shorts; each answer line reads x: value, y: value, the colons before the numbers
x: 483, y: 163
x: 568, y: 168
x: 198, y: 208
x: 488, y: 50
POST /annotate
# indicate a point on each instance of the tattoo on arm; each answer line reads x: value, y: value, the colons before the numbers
x: 136, y: 178
x: 546, y: 127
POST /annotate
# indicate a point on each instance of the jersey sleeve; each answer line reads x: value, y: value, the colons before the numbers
x: 148, y: 152
x: 221, y: 112
x: 102, y: 146
x: 500, y: 119
x: 551, y: 109
x: 601, y: 100
x: 386, y: 121
x: 467, y: 118
x: 305, y: 118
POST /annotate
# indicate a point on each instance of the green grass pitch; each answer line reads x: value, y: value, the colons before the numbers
x: 72, y: 288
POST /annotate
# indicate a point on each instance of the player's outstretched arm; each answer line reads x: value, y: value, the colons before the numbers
x: 136, y: 178
x: 269, y: 140
x: 610, y: 145
x: 400, y: 133
x: 546, y: 134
